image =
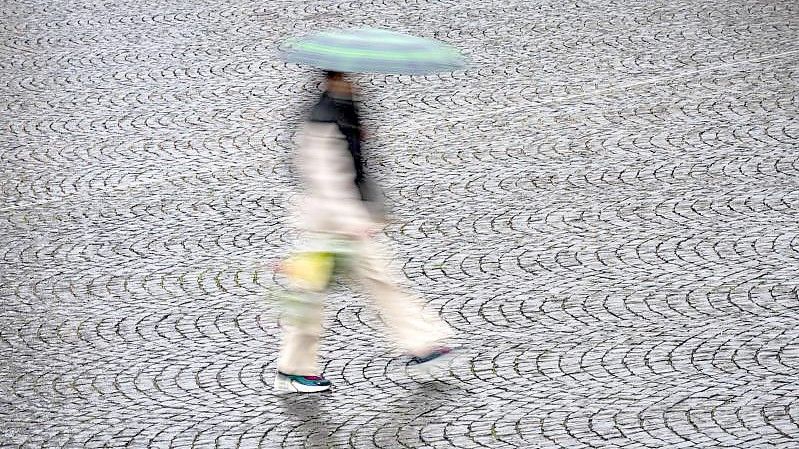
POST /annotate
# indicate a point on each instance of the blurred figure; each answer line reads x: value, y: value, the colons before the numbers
x: 337, y: 106
x: 339, y: 217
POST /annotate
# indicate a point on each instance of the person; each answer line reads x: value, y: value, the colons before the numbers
x: 339, y: 217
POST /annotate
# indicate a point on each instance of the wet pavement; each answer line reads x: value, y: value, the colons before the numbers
x: 604, y: 205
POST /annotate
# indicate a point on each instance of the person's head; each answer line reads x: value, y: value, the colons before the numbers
x: 337, y: 83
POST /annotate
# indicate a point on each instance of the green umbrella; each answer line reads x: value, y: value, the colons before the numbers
x: 372, y: 50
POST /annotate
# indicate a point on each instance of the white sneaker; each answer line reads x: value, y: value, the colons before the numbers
x: 292, y: 383
x: 433, y: 362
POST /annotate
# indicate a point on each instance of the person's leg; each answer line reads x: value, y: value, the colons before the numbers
x: 309, y: 275
x: 298, y: 368
x: 302, y: 327
x: 414, y: 329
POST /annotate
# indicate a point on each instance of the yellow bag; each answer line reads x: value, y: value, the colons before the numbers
x: 311, y: 270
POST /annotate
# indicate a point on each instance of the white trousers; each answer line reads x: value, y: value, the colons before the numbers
x: 414, y: 329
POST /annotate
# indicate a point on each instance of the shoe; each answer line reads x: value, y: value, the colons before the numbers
x: 293, y: 383
x: 436, y: 358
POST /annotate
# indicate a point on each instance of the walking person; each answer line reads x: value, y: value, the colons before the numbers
x: 339, y: 216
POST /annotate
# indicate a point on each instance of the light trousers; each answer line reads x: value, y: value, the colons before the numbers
x: 412, y: 328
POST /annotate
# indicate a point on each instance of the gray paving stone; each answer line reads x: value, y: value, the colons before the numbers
x: 603, y: 205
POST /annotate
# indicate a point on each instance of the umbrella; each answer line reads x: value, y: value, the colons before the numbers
x: 372, y: 50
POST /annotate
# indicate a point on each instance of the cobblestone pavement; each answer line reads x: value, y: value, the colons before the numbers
x: 604, y: 205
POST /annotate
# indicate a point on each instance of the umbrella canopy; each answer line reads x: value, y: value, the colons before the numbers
x: 372, y: 50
